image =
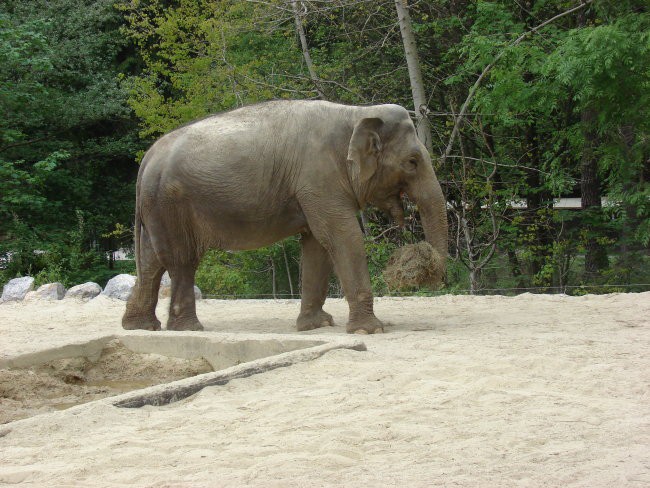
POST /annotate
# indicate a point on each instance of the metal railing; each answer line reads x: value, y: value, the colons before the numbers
x: 546, y: 290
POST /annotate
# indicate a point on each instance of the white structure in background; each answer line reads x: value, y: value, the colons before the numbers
x: 121, y: 254
x: 566, y: 203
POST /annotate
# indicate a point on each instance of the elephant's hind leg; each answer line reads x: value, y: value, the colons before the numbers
x: 141, y: 308
x: 182, y: 309
x: 316, y: 270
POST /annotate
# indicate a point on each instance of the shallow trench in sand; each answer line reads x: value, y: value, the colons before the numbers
x: 63, y: 383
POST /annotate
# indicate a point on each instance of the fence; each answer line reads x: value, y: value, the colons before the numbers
x: 558, y: 290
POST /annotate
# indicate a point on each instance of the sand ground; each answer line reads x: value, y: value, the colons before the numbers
x: 461, y: 391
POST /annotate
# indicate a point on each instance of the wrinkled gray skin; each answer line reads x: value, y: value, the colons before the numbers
x: 253, y: 176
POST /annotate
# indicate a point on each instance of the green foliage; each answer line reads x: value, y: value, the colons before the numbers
x: 534, y: 118
x: 65, y: 260
x: 86, y: 86
x: 378, y: 252
x: 202, y: 57
x: 267, y: 272
x: 67, y: 138
x: 217, y: 276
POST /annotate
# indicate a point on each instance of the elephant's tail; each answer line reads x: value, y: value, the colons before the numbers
x: 137, y: 232
x: 137, y: 228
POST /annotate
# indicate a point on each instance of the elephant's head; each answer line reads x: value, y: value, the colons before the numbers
x: 387, y: 160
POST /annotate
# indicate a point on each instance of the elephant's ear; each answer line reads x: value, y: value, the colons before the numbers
x: 365, y: 146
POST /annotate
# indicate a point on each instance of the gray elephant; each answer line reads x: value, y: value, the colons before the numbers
x: 253, y: 176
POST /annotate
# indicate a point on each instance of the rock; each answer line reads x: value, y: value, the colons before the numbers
x: 166, y: 288
x: 49, y: 291
x: 85, y: 291
x: 120, y: 287
x: 16, y: 289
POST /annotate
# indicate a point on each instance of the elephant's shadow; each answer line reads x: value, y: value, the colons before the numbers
x: 396, y: 322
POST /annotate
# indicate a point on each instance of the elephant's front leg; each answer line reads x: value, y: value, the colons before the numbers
x: 316, y: 268
x: 343, y: 239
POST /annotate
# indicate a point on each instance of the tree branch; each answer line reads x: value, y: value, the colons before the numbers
x: 305, y: 49
x: 23, y: 143
x: 487, y: 69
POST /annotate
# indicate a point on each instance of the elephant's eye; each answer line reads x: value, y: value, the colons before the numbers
x: 413, y: 164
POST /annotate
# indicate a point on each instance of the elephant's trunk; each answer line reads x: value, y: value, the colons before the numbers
x: 433, y: 212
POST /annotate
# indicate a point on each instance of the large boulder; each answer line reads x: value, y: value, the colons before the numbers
x: 85, y: 291
x: 49, y: 291
x: 166, y: 288
x: 16, y: 289
x: 120, y: 287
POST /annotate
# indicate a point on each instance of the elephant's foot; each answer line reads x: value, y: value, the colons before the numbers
x: 314, y: 320
x: 184, y: 324
x: 369, y: 325
x: 139, y: 323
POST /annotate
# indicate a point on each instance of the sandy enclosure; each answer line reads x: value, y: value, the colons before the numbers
x: 462, y: 391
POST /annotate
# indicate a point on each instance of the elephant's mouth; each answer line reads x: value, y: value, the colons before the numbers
x: 392, y: 206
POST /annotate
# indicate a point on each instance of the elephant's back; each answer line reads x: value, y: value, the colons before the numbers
x: 211, y: 160
x: 260, y: 146
x: 273, y: 118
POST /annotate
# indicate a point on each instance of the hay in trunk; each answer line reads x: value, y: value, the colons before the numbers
x: 413, y: 266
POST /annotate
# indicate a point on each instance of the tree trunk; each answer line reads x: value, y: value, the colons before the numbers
x: 635, y: 177
x: 286, y: 264
x: 305, y: 50
x: 111, y: 254
x: 474, y: 277
x: 539, y: 201
x: 415, y: 74
x: 595, y: 253
x: 515, y: 268
x: 275, y: 288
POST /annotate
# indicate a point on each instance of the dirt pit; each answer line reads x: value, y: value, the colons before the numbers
x: 464, y: 391
x: 63, y: 383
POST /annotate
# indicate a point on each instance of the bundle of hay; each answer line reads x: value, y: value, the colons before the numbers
x: 413, y: 266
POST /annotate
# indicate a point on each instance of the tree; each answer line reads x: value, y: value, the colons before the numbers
x: 603, y: 63
x: 202, y: 57
x: 415, y: 74
x: 526, y: 101
x: 298, y: 16
x: 67, y: 139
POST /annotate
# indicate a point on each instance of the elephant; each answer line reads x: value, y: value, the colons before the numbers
x: 252, y: 176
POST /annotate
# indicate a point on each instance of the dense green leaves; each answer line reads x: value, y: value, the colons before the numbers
x: 67, y: 136
x: 202, y: 57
